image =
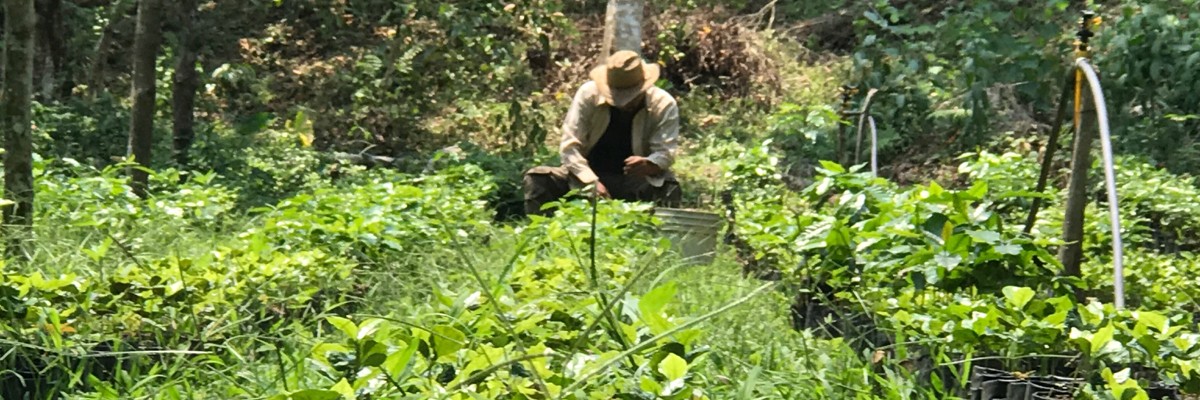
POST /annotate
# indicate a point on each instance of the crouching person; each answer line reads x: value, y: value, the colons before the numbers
x: 620, y: 134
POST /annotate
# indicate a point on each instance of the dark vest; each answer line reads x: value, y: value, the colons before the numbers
x: 608, y: 156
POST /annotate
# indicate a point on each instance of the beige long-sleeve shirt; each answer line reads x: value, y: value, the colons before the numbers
x: 655, y: 131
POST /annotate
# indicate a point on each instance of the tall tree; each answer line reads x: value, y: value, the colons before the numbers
x: 16, y: 117
x: 187, y: 80
x: 146, y: 41
x: 623, y: 27
x: 116, y: 18
x: 52, y: 47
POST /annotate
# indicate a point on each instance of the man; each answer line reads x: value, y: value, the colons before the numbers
x: 620, y: 135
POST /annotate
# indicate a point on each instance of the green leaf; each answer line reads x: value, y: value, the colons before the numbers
x: 957, y: 244
x: 903, y: 317
x: 935, y: 223
x: 1179, y: 117
x: 977, y: 191
x: 1101, y: 338
x: 1018, y: 297
x: 689, y: 336
x: 650, y: 386
x: 368, y: 328
x: 447, y: 340
x: 673, y: 367
x: 875, y: 18
x: 1154, y: 320
x: 320, y: 351
x: 947, y: 231
x: 947, y: 260
x: 343, y: 388
x: 372, y: 353
x: 988, y: 237
x: 397, y: 363
x: 1185, y: 342
x: 1008, y: 249
x: 1057, y: 319
x: 932, y: 275
x: 1119, y: 383
x: 824, y: 186
x: 833, y: 167
x: 652, y: 304
x: 346, y: 326
x: 839, y: 235
x: 935, y: 189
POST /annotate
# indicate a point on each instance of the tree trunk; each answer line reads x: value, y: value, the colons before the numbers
x: 16, y: 120
x: 52, y: 46
x: 1071, y: 254
x: 97, y: 72
x: 145, y: 52
x: 186, y: 80
x: 623, y: 27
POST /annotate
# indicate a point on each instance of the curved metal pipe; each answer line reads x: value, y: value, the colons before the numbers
x: 862, y: 119
x: 874, y: 147
x: 1110, y: 179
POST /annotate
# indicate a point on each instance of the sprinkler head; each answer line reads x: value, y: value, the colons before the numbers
x: 1085, y: 32
x: 847, y: 93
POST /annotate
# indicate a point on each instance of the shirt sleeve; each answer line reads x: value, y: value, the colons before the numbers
x: 573, y: 129
x: 664, y: 141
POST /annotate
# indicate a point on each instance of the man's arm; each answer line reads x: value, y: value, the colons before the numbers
x: 574, y: 126
x: 664, y: 141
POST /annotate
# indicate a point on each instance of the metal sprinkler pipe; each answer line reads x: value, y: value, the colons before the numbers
x: 1084, y: 71
x: 863, y: 114
x: 874, y: 147
x: 1110, y: 180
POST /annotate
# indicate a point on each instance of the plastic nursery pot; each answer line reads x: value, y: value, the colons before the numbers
x: 1062, y: 382
x: 1048, y: 364
x: 1042, y: 391
x: 982, y: 375
x: 997, y: 389
x: 1050, y: 396
x: 1017, y: 390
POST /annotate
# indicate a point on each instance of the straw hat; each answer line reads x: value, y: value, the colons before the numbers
x: 624, y: 77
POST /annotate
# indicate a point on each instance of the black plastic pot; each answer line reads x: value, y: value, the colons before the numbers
x: 1060, y: 382
x: 1017, y: 391
x: 997, y: 389
x: 989, y: 376
x: 1050, y: 396
x: 1048, y: 391
x: 1158, y: 391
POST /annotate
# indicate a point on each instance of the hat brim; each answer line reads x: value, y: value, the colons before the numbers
x: 622, y: 97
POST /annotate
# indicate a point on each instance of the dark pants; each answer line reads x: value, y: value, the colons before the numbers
x: 548, y: 184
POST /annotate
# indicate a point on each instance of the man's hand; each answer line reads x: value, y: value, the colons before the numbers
x: 602, y: 191
x: 641, y: 166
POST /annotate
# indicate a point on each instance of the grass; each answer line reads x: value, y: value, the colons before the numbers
x: 227, y: 336
x: 241, y: 304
